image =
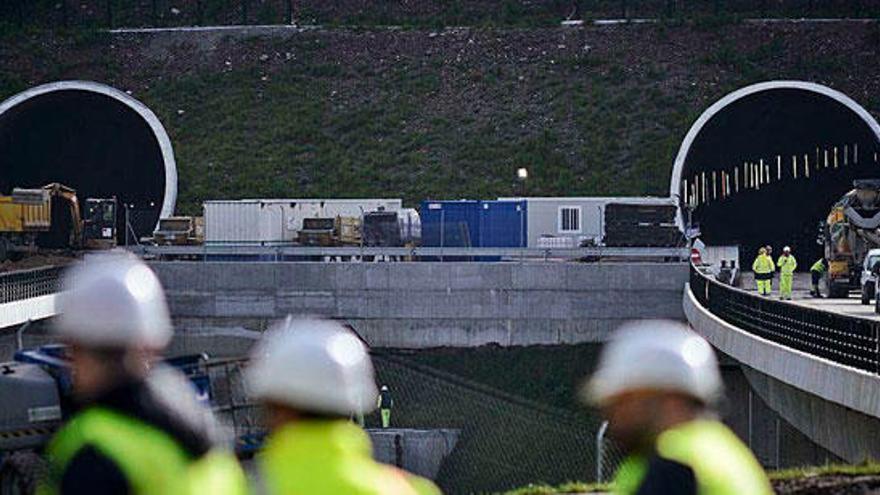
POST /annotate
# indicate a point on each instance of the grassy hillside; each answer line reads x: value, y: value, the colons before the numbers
x: 439, y: 113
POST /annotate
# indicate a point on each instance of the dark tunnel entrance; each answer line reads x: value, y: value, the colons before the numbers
x: 91, y: 138
x: 765, y: 167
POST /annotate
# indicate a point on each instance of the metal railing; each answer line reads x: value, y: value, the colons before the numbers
x: 26, y: 284
x: 301, y: 253
x: 846, y: 340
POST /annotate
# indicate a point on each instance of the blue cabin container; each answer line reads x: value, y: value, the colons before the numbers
x: 471, y: 223
x: 450, y: 223
x: 503, y: 224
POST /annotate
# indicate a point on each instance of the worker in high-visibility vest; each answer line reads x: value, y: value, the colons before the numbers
x: 311, y: 376
x: 816, y: 272
x: 787, y: 265
x: 656, y: 384
x: 139, y: 428
x: 763, y: 269
x: 385, y: 405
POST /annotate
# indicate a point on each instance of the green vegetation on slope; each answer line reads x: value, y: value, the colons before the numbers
x: 439, y: 114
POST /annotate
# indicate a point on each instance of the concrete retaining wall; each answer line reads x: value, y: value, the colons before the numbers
x: 836, y: 406
x: 429, y: 304
x: 418, y: 451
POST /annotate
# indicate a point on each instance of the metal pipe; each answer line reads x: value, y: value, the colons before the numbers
x: 19, y: 339
x: 600, y: 450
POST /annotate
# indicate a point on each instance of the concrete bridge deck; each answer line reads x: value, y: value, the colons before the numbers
x: 820, y: 373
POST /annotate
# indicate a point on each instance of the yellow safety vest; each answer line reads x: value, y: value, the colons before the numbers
x: 722, y: 465
x: 818, y: 267
x: 787, y: 264
x: 763, y: 264
x: 331, y: 457
x: 151, y: 460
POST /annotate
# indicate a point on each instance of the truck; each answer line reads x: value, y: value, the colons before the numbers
x: 50, y: 217
x: 180, y: 231
x: 850, y: 231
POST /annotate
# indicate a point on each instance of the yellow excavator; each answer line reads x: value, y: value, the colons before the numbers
x: 50, y: 217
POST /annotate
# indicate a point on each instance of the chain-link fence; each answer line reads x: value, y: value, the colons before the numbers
x: 506, y: 441
x: 176, y: 13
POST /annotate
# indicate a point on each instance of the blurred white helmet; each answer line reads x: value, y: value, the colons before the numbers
x: 660, y: 355
x: 113, y: 300
x: 786, y: 249
x: 313, y: 365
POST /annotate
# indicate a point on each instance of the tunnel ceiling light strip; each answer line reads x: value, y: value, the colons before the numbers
x: 170, y: 196
x: 753, y: 174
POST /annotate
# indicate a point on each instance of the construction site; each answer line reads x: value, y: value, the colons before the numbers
x: 481, y: 194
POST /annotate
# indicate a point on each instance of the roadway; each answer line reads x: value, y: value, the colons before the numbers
x: 851, y: 306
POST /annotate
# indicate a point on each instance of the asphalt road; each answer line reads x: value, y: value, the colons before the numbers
x: 851, y: 306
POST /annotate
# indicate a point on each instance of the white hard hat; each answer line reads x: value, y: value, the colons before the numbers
x: 313, y: 365
x: 658, y: 355
x: 113, y: 300
x: 786, y: 249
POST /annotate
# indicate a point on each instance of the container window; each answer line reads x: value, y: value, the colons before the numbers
x: 569, y: 219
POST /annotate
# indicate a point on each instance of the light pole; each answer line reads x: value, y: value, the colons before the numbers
x: 522, y: 174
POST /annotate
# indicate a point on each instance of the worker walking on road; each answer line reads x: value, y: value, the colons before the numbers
x: 787, y: 265
x: 311, y: 375
x: 385, y: 404
x: 816, y: 272
x: 139, y: 428
x: 763, y: 269
x: 656, y: 383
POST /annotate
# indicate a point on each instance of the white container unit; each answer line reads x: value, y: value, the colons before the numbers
x: 566, y: 222
x: 278, y: 221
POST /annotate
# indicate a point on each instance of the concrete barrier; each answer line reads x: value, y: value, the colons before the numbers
x: 429, y: 304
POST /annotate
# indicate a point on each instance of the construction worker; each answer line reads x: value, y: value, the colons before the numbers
x: 763, y: 269
x: 138, y: 428
x: 787, y: 264
x: 816, y: 272
x: 310, y: 375
x: 656, y: 383
x: 385, y: 404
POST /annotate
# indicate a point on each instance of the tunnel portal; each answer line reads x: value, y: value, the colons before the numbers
x: 96, y: 139
x: 765, y: 164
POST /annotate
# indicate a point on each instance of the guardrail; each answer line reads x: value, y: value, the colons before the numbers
x: 301, y: 253
x: 26, y: 284
x: 846, y: 340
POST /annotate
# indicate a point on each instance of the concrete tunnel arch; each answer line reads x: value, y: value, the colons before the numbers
x: 787, y: 126
x: 95, y: 138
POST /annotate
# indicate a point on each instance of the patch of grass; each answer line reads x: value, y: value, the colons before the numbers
x: 560, y: 489
x: 866, y: 468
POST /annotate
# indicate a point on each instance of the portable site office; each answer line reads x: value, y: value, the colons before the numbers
x: 278, y: 221
x: 571, y: 222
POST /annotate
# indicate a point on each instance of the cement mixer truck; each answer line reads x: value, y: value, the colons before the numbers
x: 851, y: 230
